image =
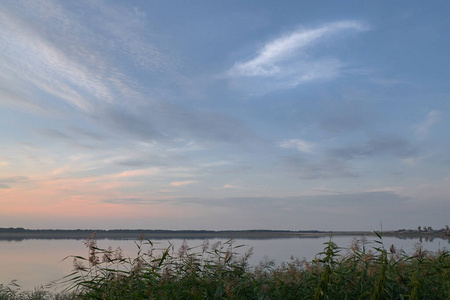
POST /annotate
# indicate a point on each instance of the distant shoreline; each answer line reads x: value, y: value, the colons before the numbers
x: 123, y: 234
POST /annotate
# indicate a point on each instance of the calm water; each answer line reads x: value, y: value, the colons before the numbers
x: 37, y: 262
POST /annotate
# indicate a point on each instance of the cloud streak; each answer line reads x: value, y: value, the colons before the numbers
x: 76, y: 76
x: 431, y: 119
x: 390, y: 145
x: 299, y: 144
x: 72, y: 66
x: 323, y: 168
x: 183, y: 183
x: 267, y: 62
x: 286, y: 59
x: 5, y: 182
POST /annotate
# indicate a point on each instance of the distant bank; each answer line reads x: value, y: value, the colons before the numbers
x: 22, y: 233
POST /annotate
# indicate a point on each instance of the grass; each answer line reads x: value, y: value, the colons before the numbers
x: 218, y: 272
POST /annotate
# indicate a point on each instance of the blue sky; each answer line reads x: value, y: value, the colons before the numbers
x: 224, y: 114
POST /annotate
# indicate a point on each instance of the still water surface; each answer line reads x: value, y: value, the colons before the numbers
x: 37, y: 262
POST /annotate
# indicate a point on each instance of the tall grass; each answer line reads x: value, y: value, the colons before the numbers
x: 12, y: 292
x: 218, y: 272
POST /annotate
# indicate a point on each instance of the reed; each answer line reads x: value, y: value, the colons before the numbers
x: 218, y: 272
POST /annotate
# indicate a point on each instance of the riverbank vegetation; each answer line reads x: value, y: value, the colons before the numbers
x: 221, y: 271
x: 19, y: 233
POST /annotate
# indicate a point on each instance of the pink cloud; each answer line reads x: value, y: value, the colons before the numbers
x: 181, y: 183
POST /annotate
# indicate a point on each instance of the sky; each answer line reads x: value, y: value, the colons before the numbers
x: 224, y: 115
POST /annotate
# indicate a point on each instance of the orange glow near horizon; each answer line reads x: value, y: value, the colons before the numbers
x: 74, y: 197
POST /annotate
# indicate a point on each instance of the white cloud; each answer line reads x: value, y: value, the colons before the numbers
x: 34, y: 58
x: 232, y: 186
x: 276, y: 57
x: 71, y: 61
x: 423, y: 128
x: 300, y: 145
x: 142, y: 172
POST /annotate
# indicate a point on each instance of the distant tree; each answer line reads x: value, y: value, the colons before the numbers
x: 446, y: 227
x: 430, y: 229
x: 419, y: 228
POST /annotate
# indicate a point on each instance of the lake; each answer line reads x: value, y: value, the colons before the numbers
x: 35, y: 262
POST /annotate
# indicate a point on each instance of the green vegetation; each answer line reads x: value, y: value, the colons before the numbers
x: 218, y: 272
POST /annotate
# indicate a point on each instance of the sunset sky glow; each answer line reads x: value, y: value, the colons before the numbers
x: 328, y: 115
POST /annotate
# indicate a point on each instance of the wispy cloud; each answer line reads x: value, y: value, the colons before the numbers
x: 5, y: 182
x: 183, y: 183
x: 361, y: 199
x: 72, y: 66
x: 75, y: 62
x: 423, y: 129
x: 234, y: 187
x: 15, y: 179
x: 74, y: 75
x: 53, y: 133
x: 377, y: 146
x: 266, y: 63
x: 286, y: 58
x: 130, y: 200
x: 328, y: 167
x: 142, y: 172
x: 299, y: 144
